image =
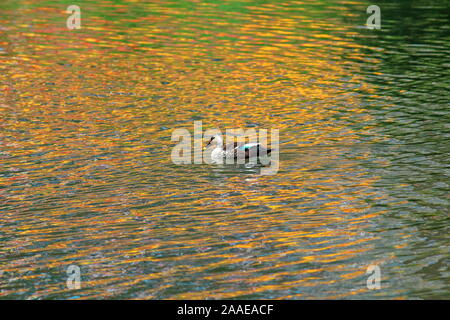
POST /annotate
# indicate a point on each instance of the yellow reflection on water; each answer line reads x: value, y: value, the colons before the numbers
x: 87, y: 118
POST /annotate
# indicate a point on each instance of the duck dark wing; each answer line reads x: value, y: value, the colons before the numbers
x: 252, y: 150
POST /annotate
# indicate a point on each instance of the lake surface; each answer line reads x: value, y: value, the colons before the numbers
x: 86, y: 177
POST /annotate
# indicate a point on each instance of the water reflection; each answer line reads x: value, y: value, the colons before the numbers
x: 86, y: 176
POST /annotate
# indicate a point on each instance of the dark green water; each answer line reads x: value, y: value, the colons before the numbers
x: 86, y: 177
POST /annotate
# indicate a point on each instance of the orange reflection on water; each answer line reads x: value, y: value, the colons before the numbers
x: 86, y: 142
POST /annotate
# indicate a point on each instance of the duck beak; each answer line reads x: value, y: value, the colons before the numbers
x: 209, y: 142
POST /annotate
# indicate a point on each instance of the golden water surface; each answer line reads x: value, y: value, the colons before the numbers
x: 86, y: 176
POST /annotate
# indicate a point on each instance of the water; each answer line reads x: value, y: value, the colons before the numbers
x: 86, y: 177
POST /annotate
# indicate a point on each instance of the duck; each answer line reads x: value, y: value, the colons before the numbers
x: 235, y: 149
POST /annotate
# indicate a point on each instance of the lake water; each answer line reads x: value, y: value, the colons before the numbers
x: 86, y: 177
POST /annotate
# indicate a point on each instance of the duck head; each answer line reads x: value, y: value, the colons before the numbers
x: 215, y: 139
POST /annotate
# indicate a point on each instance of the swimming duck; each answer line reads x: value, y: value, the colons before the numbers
x: 235, y: 149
